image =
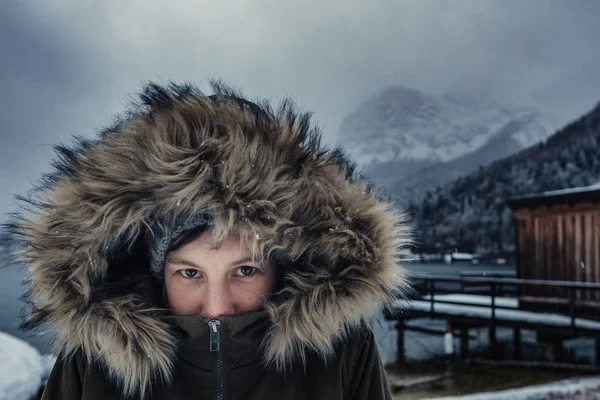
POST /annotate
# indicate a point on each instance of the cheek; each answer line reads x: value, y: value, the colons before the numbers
x: 251, y: 296
x: 181, y: 297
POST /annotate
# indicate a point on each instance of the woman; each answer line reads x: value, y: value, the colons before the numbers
x: 209, y: 247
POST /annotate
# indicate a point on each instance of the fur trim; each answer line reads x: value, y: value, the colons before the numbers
x: 257, y: 172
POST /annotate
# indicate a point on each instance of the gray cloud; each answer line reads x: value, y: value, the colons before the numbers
x: 68, y: 65
x: 43, y: 88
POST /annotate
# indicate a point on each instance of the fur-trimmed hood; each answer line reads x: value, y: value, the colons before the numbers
x: 258, y: 172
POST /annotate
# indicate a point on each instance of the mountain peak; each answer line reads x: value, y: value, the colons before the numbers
x: 394, y: 93
x: 405, y: 124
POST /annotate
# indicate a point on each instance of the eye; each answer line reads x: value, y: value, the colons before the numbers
x: 189, y: 273
x: 246, y: 271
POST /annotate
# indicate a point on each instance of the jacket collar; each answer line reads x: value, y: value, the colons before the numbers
x: 240, y: 338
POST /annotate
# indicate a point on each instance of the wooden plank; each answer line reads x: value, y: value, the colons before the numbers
x: 537, y: 254
x: 597, y: 252
x: 588, y: 263
x: 578, y: 253
x: 567, y: 247
x: 554, y: 260
x: 529, y: 253
x: 555, y: 252
x: 582, y: 261
x: 518, y: 229
x: 529, y: 249
x: 548, y: 264
x: 569, y: 239
x: 540, y: 272
x: 525, y: 249
x: 550, y: 246
x: 564, y: 208
x: 541, y: 243
x: 518, y: 245
x: 560, y: 249
x: 522, y: 213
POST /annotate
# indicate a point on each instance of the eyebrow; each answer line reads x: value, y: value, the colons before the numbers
x: 183, y: 261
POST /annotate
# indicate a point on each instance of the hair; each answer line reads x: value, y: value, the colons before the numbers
x: 186, y: 237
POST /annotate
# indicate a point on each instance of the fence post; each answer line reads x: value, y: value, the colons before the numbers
x: 493, y: 303
x: 464, y: 341
x: 431, y: 293
x: 572, y: 307
x: 493, y: 343
x: 517, y: 339
x: 400, y: 352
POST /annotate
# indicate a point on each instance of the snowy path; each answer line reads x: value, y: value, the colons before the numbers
x: 480, y: 307
x: 572, y: 389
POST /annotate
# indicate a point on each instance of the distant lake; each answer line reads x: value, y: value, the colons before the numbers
x: 11, y: 305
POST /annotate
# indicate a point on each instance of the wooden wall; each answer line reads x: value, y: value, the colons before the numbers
x: 560, y: 242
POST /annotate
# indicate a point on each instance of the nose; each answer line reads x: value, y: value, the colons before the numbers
x: 218, y: 301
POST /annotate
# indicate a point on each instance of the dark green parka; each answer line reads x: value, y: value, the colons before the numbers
x: 256, y: 172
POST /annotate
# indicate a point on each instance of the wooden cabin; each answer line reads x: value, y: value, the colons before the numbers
x: 557, y: 236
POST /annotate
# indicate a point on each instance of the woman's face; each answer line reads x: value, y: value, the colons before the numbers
x: 202, y: 280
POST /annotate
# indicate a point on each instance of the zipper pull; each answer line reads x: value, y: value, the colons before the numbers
x: 215, y: 337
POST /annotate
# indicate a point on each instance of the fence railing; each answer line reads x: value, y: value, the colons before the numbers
x: 500, y: 288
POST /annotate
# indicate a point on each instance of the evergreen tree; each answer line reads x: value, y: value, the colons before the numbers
x: 471, y: 212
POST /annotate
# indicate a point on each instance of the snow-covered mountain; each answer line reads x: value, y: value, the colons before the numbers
x: 471, y: 213
x: 403, y: 131
x: 501, y: 144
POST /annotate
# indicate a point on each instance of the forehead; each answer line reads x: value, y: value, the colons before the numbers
x: 205, y: 247
x: 206, y: 242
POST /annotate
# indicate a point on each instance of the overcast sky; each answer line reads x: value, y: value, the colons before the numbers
x: 68, y: 65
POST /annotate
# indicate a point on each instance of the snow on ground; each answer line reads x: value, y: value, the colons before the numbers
x: 474, y: 299
x: 480, y: 310
x: 572, y: 389
x: 23, y: 369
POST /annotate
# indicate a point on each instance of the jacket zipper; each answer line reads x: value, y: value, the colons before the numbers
x: 215, y: 345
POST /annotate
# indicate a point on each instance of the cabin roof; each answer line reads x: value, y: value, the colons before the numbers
x: 577, y: 194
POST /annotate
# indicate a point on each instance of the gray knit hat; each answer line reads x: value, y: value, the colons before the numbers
x: 163, y: 235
